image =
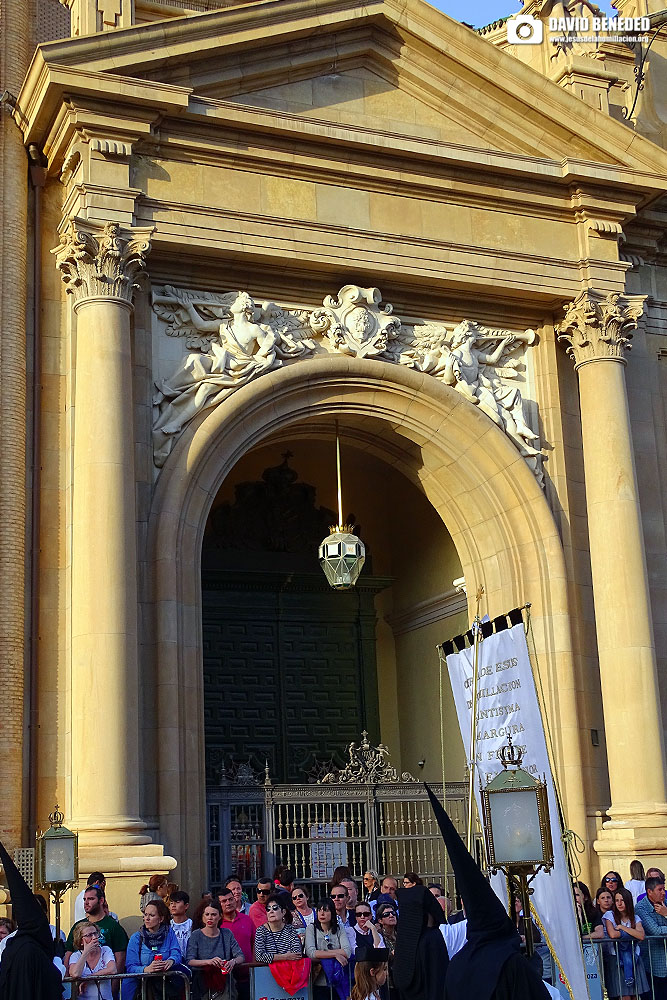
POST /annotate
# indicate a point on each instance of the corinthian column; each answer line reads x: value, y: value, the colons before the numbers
x: 597, y: 330
x: 100, y: 272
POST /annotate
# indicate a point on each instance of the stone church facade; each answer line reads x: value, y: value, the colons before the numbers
x: 223, y: 231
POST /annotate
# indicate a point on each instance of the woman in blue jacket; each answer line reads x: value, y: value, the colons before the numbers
x: 154, y: 949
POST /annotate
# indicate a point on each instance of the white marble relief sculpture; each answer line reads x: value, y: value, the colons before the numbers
x: 475, y: 360
x: 239, y: 342
x: 233, y: 340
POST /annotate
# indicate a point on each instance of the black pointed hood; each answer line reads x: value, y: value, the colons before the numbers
x: 484, y: 911
x: 420, y: 957
x: 493, y: 941
x: 26, y: 911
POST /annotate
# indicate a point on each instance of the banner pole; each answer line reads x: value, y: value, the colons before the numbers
x: 473, y: 717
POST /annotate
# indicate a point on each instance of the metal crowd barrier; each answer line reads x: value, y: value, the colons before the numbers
x: 151, y: 985
x: 612, y: 968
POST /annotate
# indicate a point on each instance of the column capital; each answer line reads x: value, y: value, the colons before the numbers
x: 103, y: 263
x: 599, y: 327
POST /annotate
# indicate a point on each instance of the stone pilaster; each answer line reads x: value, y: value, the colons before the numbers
x: 597, y: 330
x: 100, y: 271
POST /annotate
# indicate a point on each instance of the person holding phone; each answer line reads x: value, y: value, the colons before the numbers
x: 213, y: 952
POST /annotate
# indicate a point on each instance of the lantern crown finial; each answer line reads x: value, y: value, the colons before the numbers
x: 56, y: 818
x: 509, y: 755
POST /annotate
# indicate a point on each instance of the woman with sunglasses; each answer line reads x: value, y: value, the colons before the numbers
x: 277, y: 940
x: 303, y: 913
x: 365, y: 932
x: 91, y: 959
x: 387, y: 923
x: 612, y: 881
x: 326, y: 938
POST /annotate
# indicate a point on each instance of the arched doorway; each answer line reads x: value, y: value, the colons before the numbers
x: 294, y: 671
x: 472, y: 476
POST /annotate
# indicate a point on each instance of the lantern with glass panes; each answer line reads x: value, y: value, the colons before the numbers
x: 57, y: 861
x: 341, y: 554
x: 517, y: 829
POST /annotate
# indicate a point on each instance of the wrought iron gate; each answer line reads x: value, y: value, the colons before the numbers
x: 366, y: 816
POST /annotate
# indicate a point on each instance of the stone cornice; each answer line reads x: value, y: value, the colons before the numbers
x: 435, y: 609
x: 105, y: 264
x: 598, y: 327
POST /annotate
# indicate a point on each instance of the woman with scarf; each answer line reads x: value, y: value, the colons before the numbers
x: 627, y: 977
x: 153, y: 949
x: 327, y: 943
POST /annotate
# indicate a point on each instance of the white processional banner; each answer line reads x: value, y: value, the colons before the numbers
x: 507, y: 706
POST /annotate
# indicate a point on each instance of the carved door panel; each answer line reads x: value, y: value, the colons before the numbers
x: 289, y: 677
x: 241, y: 689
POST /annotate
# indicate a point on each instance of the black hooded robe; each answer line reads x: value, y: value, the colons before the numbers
x: 420, y: 959
x: 490, y: 966
x: 27, y: 971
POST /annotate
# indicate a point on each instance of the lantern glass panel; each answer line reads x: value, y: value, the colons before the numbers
x: 515, y: 822
x: 59, y: 859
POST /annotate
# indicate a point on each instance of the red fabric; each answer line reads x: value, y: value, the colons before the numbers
x: 215, y: 979
x: 291, y: 975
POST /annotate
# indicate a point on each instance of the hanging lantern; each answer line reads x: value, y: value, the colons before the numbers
x: 341, y: 554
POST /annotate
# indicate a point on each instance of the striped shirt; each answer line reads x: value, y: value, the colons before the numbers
x: 268, y: 944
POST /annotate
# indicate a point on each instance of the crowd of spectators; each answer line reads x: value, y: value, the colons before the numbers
x: 630, y: 923
x: 215, y: 941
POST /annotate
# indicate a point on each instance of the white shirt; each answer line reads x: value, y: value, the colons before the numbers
x: 90, y: 989
x: 455, y: 936
x: 182, y: 932
x: 636, y: 887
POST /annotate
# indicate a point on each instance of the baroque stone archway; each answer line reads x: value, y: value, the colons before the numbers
x: 487, y: 497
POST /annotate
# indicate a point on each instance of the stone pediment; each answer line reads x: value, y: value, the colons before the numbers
x: 397, y: 69
x: 367, y: 98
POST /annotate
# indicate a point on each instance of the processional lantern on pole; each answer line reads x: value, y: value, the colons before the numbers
x: 57, y: 861
x: 341, y: 554
x: 517, y: 829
